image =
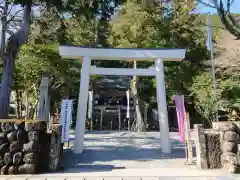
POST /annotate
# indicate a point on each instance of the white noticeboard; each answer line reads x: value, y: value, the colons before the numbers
x: 66, y: 118
x: 128, y: 104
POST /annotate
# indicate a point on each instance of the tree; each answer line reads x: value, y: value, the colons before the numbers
x: 163, y: 26
x: 21, y: 36
x: 227, y: 18
x: 11, y: 51
x: 224, y: 12
x: 38, y: 60
x: 130, y: 28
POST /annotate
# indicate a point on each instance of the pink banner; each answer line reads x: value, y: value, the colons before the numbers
x: 180, y: 109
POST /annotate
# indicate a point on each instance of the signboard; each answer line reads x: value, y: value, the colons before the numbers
x: 128, y: 104
x: 90, y: 104
x: 65, y: 119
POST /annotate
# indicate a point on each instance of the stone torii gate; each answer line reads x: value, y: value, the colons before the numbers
x: 88, y: 54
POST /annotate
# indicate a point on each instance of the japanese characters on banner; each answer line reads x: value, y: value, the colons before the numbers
x: 128, y: 104
x: 90, y: 104
x: 180, y: 109
x: 65, y: 119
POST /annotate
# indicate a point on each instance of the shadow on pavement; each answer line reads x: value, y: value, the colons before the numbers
x: 99, y: 158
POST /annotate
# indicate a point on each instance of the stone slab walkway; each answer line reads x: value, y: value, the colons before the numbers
x: 116, y: 178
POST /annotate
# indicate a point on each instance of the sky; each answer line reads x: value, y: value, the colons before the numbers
x: 204, y: 9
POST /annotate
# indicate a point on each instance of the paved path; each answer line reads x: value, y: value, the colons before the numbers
x: 115, y: 178
x: 106, y: 151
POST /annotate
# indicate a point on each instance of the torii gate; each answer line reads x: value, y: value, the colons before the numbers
x: 88, y: 54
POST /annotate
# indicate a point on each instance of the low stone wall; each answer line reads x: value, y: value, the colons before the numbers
x: 27, y: 148
x: 217, y: 125
x: 218, y: 147
x: 24, y: 147
x: 230, y: 139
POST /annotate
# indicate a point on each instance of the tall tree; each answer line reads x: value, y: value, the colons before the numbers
x: 10, y: 54
x: 11, y: 51
x: 130, y: 28
x: 21, y: 36
x: 160, y: 25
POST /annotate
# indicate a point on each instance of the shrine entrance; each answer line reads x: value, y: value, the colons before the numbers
x: 89, y: 54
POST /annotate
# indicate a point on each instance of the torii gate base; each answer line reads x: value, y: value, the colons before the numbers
x: 87, y: 54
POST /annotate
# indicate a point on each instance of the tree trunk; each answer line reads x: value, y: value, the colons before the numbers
x: 228, y: 19
x: 139, y: 120
x: 3, y: 28
x: 13, y: 46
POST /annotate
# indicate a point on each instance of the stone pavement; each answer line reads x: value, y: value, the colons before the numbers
x: 115, y: 178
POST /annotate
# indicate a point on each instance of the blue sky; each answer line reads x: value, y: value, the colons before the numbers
x: 204, y: 9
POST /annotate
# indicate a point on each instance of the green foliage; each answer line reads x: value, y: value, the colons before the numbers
x: 134, y: 25
x: 228, y: 90
x: 36, y: 61
x: 141, y: 27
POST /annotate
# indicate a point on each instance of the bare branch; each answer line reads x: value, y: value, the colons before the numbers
x: 56, y: 85
x: 228, y: 5
x: 10, y: 9
x: 14, y: 16
x: 11, y: 33
x: 206, y: 4
x: 1, y: 9
x: 232, y: 2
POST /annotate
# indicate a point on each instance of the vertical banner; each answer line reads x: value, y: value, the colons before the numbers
x: 128, y: 104
x: 65, y: 119
x: 90, y: 104
x: 180, y: 109
x: 209, y: 34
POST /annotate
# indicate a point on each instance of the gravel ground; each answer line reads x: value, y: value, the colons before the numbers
x: 124, y: 150
x: 110, y: 153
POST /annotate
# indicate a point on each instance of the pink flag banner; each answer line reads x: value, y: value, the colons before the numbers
x: 180, y: 109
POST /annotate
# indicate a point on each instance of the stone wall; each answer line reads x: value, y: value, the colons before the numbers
x: 230, y: 140
x: 24, y: 147
x: 218, y: 147
x: 200, y: 142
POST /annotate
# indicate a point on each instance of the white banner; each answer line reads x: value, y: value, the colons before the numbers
x: 90, y: 104
x: 66, y: 118
x: 128, y: 104
x: 209, y: 34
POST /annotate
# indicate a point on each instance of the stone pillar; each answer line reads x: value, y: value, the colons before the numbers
x: 162, y: 107
x: 55, y: 148
x: 44, y: 100
x: 82, y: 105
x: 200, y: 146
